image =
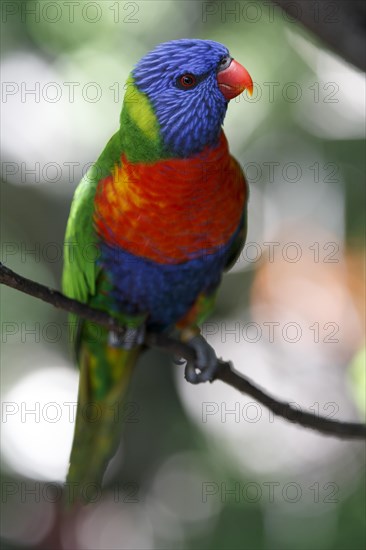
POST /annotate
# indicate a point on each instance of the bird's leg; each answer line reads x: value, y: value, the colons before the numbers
x: 206, y: 363
x: 132, y: 337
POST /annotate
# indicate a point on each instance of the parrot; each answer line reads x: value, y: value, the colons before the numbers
x: 164, y: 210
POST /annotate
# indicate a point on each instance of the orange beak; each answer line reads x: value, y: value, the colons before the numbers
x: 233, y: 80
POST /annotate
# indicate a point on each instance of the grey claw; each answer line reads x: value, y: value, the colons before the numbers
x: 191, y: 374
x: 206, y: 363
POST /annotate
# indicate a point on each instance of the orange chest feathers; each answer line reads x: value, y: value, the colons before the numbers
x: 172, y: 210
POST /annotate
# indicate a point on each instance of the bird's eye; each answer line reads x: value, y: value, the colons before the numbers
x: 187, y: 81
x: 224, y: 62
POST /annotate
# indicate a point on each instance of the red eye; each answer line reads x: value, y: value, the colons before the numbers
x: 187, y: 80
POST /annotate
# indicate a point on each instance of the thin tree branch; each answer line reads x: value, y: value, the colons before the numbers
x: 226, y: 372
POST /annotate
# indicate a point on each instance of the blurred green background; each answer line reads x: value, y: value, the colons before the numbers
x: 198, y: 467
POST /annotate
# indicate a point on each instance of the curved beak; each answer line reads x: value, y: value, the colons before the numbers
x: 233, y: 80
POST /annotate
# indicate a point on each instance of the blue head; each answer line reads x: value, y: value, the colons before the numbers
x: 183, y: 80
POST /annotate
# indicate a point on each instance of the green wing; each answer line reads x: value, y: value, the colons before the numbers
x: 138, y: 122
x: 80, y: 250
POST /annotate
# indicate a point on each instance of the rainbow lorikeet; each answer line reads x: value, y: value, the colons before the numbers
x: 165, y: 208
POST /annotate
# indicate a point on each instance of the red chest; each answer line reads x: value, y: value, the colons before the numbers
x: 173, y: 210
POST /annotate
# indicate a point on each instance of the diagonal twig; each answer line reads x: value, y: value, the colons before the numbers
x: 226, y: 372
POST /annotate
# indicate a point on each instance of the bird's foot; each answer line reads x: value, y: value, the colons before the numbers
x: 206, y: 364
x: 131, y: 338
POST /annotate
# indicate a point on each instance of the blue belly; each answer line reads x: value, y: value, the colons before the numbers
x: 166, y: 292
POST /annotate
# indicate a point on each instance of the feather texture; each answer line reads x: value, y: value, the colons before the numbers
x: 153, y: 225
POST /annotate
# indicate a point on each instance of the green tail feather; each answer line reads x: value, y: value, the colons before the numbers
x: 104, y: 375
